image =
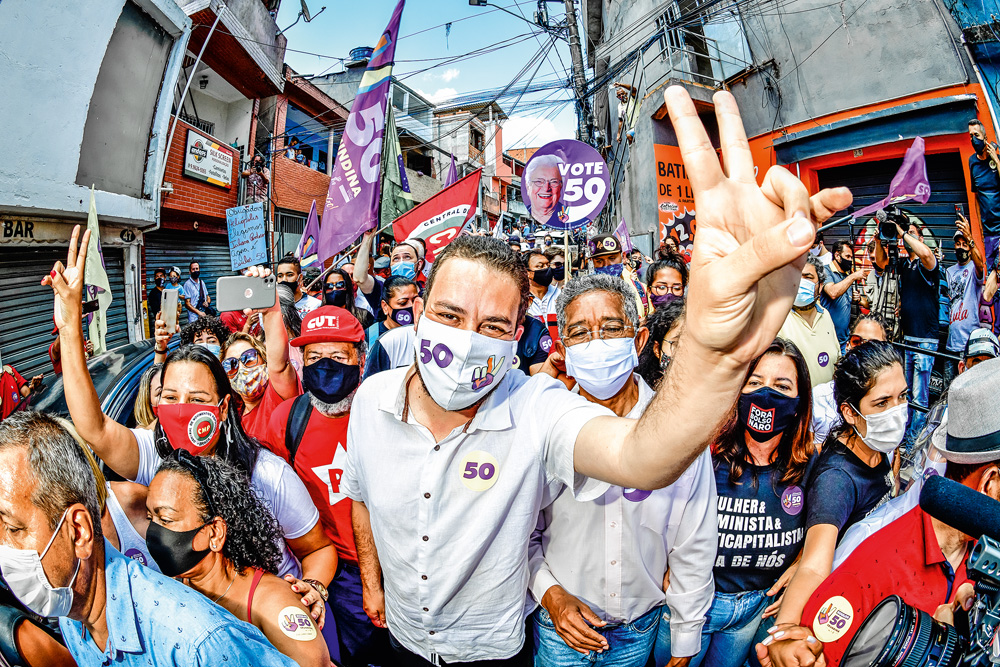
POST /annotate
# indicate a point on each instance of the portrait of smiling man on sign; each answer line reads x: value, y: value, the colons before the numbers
x: 545, y: 185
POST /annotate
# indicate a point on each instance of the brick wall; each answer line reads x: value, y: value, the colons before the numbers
x: 296, y: 186
x: 191, y: 196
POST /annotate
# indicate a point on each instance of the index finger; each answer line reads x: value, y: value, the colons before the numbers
x: 732, y: 135
x: 700, y: 161
x: 81, y: 258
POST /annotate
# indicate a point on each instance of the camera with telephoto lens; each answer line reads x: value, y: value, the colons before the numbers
x: 887, y: 219
x: 897, y: 634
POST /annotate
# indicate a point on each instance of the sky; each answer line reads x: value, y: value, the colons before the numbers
x: 424, y: 47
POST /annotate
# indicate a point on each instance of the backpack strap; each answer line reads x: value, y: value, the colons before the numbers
x: 298, y: 419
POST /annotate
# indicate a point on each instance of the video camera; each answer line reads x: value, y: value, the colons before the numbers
x: 895, y: 633
x: 887, y: 218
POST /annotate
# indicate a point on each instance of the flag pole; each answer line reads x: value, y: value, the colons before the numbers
x: 350, y: 251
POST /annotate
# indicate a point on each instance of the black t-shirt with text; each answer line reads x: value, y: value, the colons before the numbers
x: 918, y: 296
x: 843, y: 489
x: 761, y: 527
x: 986, y: 185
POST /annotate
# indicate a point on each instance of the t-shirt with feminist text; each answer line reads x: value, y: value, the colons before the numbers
x: 319, y: 463
x: 965, y: 289
x: 761, y: 527
x: 843, y: 489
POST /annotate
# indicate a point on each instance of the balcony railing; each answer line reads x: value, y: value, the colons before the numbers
x: 203, y: 125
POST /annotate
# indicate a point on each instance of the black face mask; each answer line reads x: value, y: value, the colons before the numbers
x: 294, y: 284
x: 402, y: 316
x: 336, y: 297
x: 845, y: 264
x: 158, y: 282
x: 330, y: 381
x: 195, y: 275
x: 542, y: 277
x: 962, y: 255
x: 766, y: 412
x: 978, y: 145
x: 173, y: 550
x: 558, y: 272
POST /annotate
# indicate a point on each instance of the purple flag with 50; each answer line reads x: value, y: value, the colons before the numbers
x: 352, y: 202
x: 909, y: 184
x: 306, y: 252
x: 623, y: 236
x: 452, y: 176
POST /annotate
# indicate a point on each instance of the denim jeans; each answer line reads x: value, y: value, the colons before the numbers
x: 918, y: 379
x: 360, y: 642
x: 630, y: 643
x: 727, y: 637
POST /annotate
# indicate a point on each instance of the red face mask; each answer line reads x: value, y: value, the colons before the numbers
x: 189, y: 426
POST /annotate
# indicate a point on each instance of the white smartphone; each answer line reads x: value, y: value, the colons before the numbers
x: 168, y: 309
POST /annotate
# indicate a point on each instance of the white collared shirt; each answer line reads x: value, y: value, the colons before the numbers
x: 539, y: 308
x: 452, y: 519
x: 612, y: 552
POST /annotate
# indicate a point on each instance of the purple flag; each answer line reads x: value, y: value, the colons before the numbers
x: 909, y: 184
x: 622, y: 234
x: 452, y: 176
x: 308, y: 244
x: 353, y: 200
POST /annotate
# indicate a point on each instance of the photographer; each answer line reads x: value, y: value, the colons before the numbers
x: 919, y: 278
x: 915, y: 557
x: 258, y: 176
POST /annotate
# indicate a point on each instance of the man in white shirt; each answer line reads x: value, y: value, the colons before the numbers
x: 195, y: 293
x: 543, y: 292
x: 450, y: 460
x: 810, y: 327
x: 289, y: 271
x: 602, y: 563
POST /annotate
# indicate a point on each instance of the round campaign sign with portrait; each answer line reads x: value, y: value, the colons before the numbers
x: 565, y: 184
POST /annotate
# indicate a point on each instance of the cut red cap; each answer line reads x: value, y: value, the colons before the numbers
x: 329, y: 324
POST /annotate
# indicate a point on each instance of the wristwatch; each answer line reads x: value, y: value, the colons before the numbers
x: 320, y: 588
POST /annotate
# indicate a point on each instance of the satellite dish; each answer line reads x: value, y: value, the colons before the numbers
x: 304, y: 13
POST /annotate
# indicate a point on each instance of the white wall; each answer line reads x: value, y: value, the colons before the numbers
x: 51, y: 53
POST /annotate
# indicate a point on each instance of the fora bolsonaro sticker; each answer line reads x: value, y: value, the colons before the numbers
x: 833, y: 619
x: 201, y: 428
x: 295, y: 623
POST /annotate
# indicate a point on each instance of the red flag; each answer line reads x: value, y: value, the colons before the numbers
x: 440, y: 219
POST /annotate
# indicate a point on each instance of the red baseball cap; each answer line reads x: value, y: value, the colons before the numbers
x: 329, y: 324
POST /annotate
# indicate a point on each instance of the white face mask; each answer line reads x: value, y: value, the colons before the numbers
x: 885, y: 429
x: 602, y: 366
x: 458, y: 366
x: 806, y: 296
x: 22, y: 568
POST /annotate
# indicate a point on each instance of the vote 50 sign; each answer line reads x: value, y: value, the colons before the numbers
x: 565, y: 184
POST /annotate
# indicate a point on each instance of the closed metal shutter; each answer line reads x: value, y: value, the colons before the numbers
x: 26, y: 311
x: 166, y: 247
x: 869, y: 182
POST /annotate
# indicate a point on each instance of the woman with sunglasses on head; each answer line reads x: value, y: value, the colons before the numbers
x: 339, y: 290
x: 761, y: 457
x: 262, y: 374
x: 212, y: 531
x: 147, y: 397
x: 666, y: 280
x: 852, y: 475
x: 198, y: 411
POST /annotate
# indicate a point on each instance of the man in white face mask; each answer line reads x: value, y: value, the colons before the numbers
x: 449, y: 460
x: 111, y: 609
x: 810, y: 327
x: 601, y: 584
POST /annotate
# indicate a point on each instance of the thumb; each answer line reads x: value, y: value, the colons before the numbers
x: 769, y: 251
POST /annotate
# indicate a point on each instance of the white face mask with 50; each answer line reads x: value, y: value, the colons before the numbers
x: 22, y: 568
x: 602, y: 366
x: 459, y: 366
x: 885, y: 429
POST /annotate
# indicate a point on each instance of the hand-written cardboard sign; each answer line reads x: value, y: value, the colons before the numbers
x: 674, y: 197
x: 247, y: 231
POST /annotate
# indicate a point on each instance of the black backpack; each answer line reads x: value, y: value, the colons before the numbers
x: 298, y: 419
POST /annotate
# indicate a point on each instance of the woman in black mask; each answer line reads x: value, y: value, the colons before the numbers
x: 212, y: 530
x: 760, y: 458
x: 339, y: 290
x: 664, y: 326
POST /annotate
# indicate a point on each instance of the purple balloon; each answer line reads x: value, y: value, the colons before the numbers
x: 566, y: 184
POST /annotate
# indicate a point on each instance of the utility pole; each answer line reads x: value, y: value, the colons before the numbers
x: 579, y: 75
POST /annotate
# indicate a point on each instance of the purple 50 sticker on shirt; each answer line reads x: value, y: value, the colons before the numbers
x: 792, y: 500
x: 137, y: 555
x: 823, y: 359
x: 636, y: 495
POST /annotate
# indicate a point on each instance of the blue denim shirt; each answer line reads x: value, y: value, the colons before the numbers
x: 155, y: 620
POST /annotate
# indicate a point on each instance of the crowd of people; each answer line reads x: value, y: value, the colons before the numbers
x: 511, y: 456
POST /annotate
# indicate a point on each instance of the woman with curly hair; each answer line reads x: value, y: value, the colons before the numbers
x: 664, y: 324
x: 209, y: 332
x: 211, y: 530
x: 760, y: 456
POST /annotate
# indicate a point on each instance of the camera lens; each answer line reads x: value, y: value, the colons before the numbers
x: 898, y: 635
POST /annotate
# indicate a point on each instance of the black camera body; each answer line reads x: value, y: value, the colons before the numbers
x: 894, y: 633
x: 887, y: 219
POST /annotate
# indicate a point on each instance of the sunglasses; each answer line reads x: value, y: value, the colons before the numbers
x: 858, y: 340
x: 248, y: 359
x: 340, y: 285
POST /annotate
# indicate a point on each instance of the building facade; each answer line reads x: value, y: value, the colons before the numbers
x: 68, y: 127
